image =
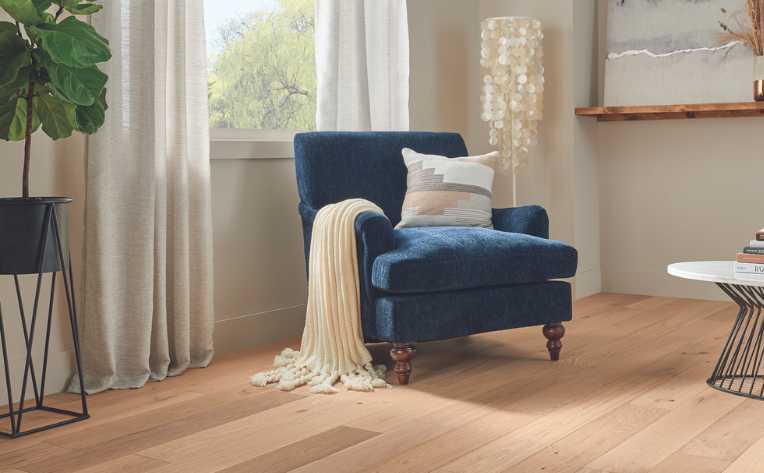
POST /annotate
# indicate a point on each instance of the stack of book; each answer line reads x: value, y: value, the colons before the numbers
x: 750, y: 263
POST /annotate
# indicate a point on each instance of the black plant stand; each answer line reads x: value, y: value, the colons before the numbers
x: 60, y: 264
x: 738, y: 370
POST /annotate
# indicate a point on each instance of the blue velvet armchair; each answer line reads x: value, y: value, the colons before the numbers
x: 433, y: 283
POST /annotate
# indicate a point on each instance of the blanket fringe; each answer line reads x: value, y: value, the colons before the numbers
x: 291, y: 372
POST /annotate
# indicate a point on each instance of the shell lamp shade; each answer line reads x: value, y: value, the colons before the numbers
x: 512, y: 57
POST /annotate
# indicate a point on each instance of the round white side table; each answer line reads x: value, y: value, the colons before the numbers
x: 738, y: 370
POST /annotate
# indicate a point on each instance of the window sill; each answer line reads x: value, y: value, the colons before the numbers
x: 251, y: 144
x: 228, y: 150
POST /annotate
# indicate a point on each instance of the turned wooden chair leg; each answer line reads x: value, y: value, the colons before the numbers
x: 402, y: 354
x: 554, y: 333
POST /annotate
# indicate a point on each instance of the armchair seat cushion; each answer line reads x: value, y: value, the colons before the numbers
x: 435, y: 259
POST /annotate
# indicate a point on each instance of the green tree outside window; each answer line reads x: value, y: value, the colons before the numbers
x: 264, y: 77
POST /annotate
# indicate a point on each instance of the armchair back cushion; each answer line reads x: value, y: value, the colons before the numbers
x: 334, y: 166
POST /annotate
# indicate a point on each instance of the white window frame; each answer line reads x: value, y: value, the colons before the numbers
x: 238, y: 143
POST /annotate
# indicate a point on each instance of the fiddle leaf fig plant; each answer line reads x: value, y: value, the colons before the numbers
x: 49, y: 76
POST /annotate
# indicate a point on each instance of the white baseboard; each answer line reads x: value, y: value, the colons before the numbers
x: 587, y: 283
x: 659, y: 283
x: 60, y: 369
x: 258, y: 329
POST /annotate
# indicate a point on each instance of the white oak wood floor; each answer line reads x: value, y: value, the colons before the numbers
x: 628, y: 395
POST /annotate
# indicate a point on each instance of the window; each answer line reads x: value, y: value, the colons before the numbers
x: 262, y: 83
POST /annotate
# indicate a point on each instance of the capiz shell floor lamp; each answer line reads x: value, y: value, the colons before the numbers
x: 512, y: 56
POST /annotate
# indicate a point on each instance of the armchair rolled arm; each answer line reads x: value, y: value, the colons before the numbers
x: 374, y: 236
x: 374, y: 233
x: 530, y: 220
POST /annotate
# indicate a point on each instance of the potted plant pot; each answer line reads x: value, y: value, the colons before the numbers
x: 758, y: 78
x: 22, y: 229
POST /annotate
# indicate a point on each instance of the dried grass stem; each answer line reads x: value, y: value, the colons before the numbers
x: 750, y: 32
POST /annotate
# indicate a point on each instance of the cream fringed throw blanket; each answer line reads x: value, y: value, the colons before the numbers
x: 332, y: 346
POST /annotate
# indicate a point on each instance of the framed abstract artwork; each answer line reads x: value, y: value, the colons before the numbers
x: 663, y: 52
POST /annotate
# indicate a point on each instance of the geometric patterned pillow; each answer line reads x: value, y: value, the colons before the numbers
x: 445, y: 191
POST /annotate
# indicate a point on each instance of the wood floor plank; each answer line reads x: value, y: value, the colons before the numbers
x: 750, y: 461
x: 436, y: 451
x: 32, y: 453
x: 661, y: 439
x: 374, y: 454
x: 228, y: 372
x: 128, y: 464
x: 245, y: 439
x: 683, y: 463
x: 596, y: 438
x: 731, y: 435
x: 303, y: 452
x: 99, y: 433
x: 94, y: 453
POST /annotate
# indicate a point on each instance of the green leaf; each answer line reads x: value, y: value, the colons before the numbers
x: 57, y: 116
x: 79, y: 86
x: 17, y: 87
x: 25, y: 11
x: 13, y: 53
x: 73, y: 43
x: 90, y: 119
x: 13, y: 120
x: 76, y: 7
x: 42, y: 5
x: 7, y: 116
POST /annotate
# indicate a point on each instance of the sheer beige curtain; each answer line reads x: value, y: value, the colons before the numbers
x: 148, y: 253
x: 362, y: 65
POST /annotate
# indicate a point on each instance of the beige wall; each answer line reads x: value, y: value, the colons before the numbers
x: 585, y: 172
x: 672, y: 191
x: 677, y: 190
x: 444, y: 94
x: 260, y: 282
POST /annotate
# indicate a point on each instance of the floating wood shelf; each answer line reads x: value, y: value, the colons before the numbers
x: 667, y: 112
